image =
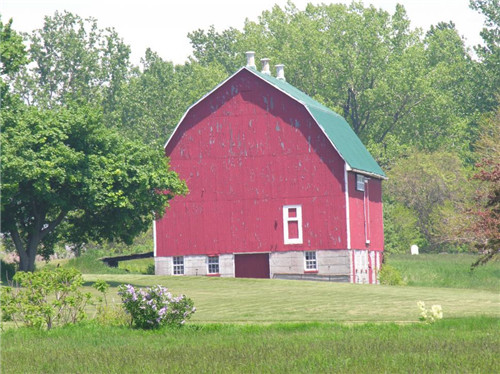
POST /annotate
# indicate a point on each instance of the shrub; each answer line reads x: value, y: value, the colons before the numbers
x: 155, y: 307
x: 390, y: 276
x: 8, y: 270
x: 150, y: 269
x: 44, y: 298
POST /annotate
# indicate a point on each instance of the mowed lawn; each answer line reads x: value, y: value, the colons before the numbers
x: 232, y: 300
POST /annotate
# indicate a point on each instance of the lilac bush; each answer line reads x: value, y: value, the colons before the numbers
x: 155, y: 307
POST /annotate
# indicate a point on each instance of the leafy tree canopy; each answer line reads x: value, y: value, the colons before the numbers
x: 73, y: 61
x: 13, y: 53
x: 433, y: 188
x: 65, y: 176
x: 488, y: 77
x: 154, y: 99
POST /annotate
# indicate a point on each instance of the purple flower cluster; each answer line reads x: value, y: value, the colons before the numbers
x: 154, y: 307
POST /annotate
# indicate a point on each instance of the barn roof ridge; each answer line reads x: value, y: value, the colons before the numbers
x: 334, y: 126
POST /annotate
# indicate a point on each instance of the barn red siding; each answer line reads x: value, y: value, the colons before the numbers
x: 366, y: 205
x: 245, y: 151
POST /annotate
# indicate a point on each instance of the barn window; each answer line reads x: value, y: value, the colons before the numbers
x: 213, y: 264
x: 178, y: 265
x: 360, y: 182
x: 311, y: 263
x: 292, y: 224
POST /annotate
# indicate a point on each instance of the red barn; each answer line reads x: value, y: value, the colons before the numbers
x: 279, y: 187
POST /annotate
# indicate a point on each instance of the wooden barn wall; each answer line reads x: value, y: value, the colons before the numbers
x: 367, y: 205
x: 245, y: 151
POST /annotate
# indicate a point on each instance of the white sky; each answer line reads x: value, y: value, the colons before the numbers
x: 163, y: 25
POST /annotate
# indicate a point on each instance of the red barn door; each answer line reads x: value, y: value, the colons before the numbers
x: 254, y: 265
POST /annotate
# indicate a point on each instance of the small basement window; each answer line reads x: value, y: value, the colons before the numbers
x: 213, y: 264
x: 178, y: 265
x: 292, y: 224
x: 311, y: 263
x: 360, y: 182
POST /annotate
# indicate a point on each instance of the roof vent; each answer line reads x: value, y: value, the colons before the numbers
x: 265, y: 66
x: 250, y: 59
x: 280, y: 72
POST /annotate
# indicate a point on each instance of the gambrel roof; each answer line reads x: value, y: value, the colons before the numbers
x: 334, y: 126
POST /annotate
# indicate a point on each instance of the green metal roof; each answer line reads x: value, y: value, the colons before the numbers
x: 335, y: 127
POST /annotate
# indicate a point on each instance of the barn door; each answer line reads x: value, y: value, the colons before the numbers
x: 255, y: 265
x: 361, y: 266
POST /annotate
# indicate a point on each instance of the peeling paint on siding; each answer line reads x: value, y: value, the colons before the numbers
x: 252, y: 165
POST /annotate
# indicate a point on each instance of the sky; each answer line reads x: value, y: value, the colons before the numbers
x: 163, y: 25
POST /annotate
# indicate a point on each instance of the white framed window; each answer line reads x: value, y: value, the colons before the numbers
x: 178, y: 262
x: 360, y: 182
x: 292, y: 224
x: 310, y: 260
x: 213, y: 264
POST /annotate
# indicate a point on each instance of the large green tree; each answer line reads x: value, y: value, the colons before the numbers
x: 67, y: 177
x: 73, y: 60
x: 427, y: 195
x: 13, y: 56
x: 488, y: 74
x: 12, y: 50
x: 155, y: 97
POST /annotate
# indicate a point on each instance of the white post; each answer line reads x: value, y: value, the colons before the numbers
x: 414, y: 249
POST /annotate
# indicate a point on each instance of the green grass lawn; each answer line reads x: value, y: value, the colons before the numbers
x: 139, y: 266
x: 468, y: 345
x: 234, y: 300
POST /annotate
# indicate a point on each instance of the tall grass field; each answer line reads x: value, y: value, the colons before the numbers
x: 282, y: 326
x: 467, y: 345
x: 446, y: 270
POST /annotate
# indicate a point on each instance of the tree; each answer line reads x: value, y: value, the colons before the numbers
x: 401, y: 228
x: 66, y: 177
x: 211, y: 47
x: 154, y: 99
x: 432, y: 187
x: 486, y: 227
x: 73, y: 61
x: 13, y: 56
x: 488, y: 74
x: 12, y: 50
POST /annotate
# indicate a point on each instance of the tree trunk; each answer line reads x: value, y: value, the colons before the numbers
x: 27, y: 260
x: 27, y: 255
x: 27, y: 252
